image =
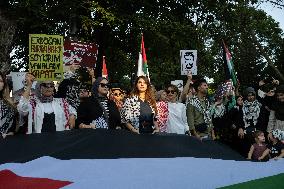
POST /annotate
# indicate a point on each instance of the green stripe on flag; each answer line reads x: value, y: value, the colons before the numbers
x: 263, y: 183
x: 145, y: 68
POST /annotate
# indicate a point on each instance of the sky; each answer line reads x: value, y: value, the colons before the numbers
x: 276, y: 13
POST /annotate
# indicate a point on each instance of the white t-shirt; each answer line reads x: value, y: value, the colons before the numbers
x: 177, y: 121
x: 48, y: 107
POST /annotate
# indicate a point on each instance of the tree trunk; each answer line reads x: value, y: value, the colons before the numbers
x: 7, y: 32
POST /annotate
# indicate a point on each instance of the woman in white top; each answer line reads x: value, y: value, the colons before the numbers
x: 177, y: 121
x: 45, y: 113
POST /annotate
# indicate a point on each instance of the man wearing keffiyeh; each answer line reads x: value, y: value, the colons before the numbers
x: 198, y: 112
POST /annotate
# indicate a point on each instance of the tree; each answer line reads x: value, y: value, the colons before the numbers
x: 7, y: 32
x: 168, y: 27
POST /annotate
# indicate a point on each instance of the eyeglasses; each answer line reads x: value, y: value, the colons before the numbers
x: 105, y: 85
x: 47, y: 85
x: 117, y: 94
x: 170, y: 91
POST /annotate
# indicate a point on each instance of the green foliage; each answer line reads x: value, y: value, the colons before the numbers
x: 168, y: 26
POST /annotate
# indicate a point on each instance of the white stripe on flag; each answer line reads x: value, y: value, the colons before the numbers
x: 166, y: 173
x: 140, y: 71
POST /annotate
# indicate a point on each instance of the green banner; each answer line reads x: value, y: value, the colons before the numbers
x: 46, y: 57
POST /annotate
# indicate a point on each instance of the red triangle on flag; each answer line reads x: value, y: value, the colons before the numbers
x: 9, y: 180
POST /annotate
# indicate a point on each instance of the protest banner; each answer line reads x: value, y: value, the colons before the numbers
x: 80, y: 53
x: 46, y: 56
x: 188, y: 61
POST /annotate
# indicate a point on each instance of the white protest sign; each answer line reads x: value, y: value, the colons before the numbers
x: 188, y: 61
x: 18, y: 79
x: 178, y: 83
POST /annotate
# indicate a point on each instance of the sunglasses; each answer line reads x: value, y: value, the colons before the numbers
x: 47, y: 85
x: 103, y: 85
x: 170, y: 91
x: 117, y: 94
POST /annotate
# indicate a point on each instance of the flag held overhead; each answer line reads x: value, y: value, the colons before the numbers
x: 142, y: 61
x: 228, y: 64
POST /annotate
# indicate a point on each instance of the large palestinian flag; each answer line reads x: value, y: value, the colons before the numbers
x: 118, y: 159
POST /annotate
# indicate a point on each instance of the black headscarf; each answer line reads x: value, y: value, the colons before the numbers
x: 99, y: 98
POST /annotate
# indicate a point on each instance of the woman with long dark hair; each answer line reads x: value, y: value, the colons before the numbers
x: 8, y: 110
x: 140, y: 110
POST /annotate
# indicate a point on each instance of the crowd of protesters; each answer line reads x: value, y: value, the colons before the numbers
x: 251, y: 123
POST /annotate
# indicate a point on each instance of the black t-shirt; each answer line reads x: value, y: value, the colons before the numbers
x: 146, y: 117
x: 88, y: 110
x: 48, y: 125
x: 275, y: 149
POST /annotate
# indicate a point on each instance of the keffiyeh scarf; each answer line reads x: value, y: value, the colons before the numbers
x: 219, y: 111
x: 69, y: 75
x: 72, y: 95
x: 6, y: 117
x: 195, y: 101
x: 103, y: 101
x: 251, y: 112
x: 100, y: 123
x: 163, y: 115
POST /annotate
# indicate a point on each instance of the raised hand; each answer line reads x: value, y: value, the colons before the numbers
x: 29, y: 79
